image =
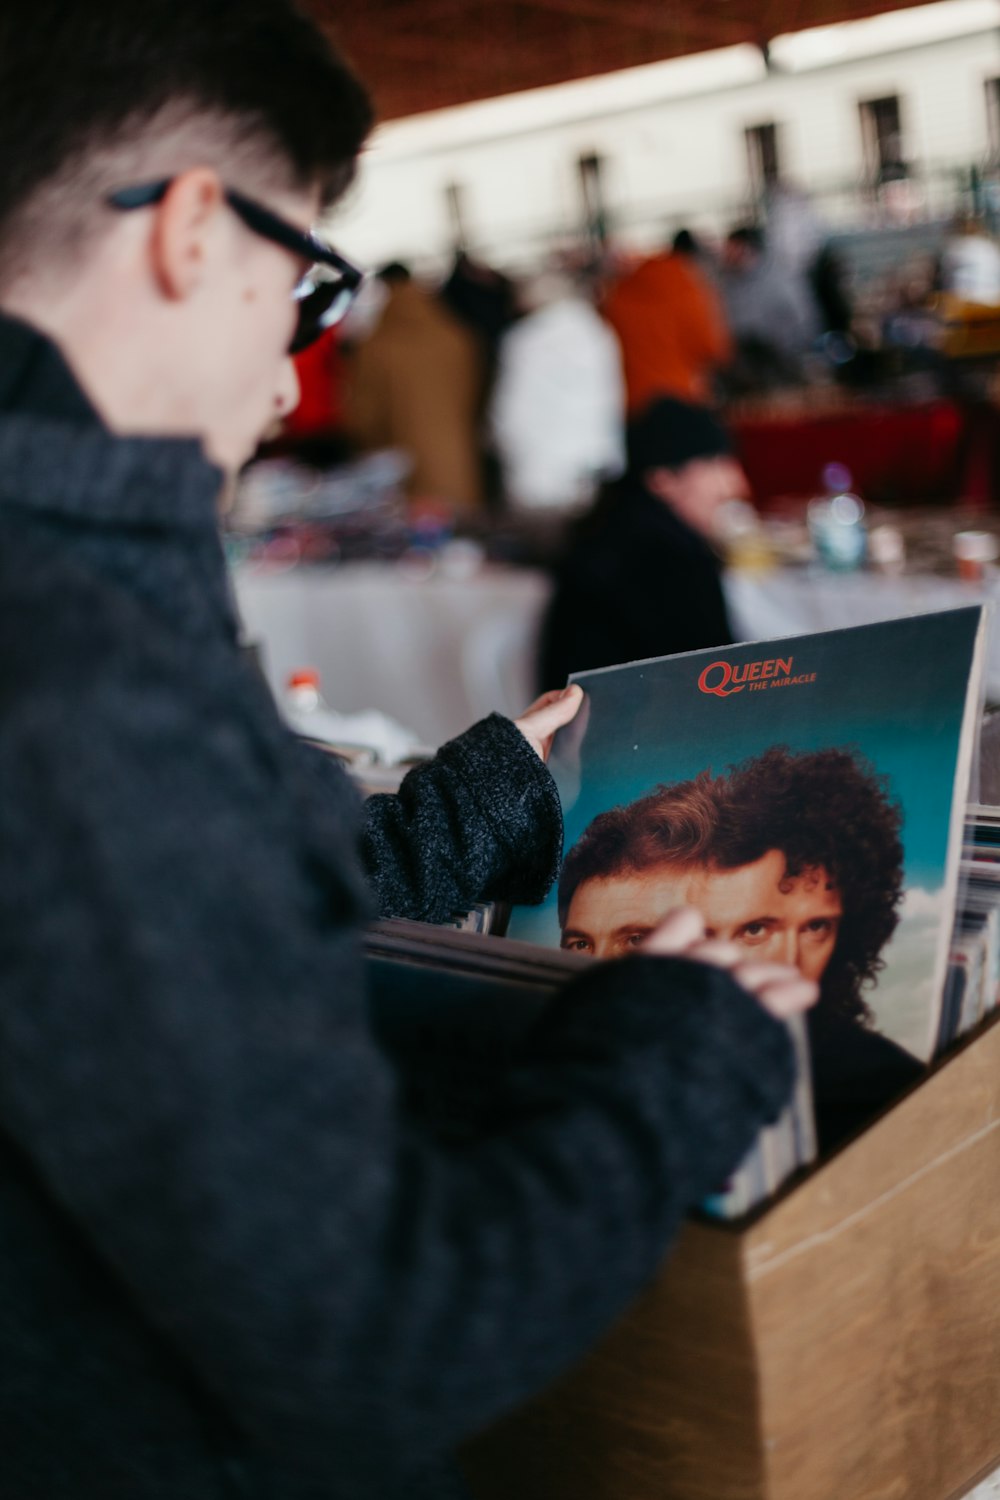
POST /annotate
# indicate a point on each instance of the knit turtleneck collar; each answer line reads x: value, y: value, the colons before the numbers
x: 166, y: 483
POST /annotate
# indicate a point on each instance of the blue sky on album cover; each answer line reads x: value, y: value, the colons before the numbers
x: 894, y: 692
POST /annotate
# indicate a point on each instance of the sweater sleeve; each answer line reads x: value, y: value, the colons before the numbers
x: 481, y: 821
x: 186, y: 1059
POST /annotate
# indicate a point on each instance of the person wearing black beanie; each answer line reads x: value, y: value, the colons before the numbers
x: 641, y: 577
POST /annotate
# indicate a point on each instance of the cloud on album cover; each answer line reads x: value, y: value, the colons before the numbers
x: 904, y: 1000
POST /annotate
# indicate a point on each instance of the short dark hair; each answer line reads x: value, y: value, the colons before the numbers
x: 395, y: 273
x: 749, y: 235
x: 819, y: 808
x: 670, y: 434
x: 81, y: 81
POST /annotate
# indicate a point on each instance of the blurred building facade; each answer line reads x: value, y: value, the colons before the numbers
x: 892, y: 119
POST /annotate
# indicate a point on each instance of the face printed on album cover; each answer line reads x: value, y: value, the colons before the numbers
x: 777, y: 917
x: 794, y: 856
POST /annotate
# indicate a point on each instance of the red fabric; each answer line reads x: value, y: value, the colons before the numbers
x: 320, y: 372
x: 895, y: 453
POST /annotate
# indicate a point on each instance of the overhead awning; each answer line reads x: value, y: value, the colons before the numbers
x: 420, y: 55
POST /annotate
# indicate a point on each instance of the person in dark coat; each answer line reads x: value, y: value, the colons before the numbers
x: 641, y: 576
x: 234, y: 1263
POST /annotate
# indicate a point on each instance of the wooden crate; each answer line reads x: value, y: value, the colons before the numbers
x: 842, y: 1345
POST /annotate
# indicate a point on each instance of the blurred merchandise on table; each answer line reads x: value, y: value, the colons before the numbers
x: 363, y: 739
x: 836, y: 521
x: 286, y: 512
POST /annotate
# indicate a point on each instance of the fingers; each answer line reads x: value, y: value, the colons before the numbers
x: 780, y: 989
x: 540, y: 702
x: 548, y: 713
x: 552, y: 710
x: 679, y: 930
x: 754, y: 973
x: 716, y: 951
x: 790, y: 997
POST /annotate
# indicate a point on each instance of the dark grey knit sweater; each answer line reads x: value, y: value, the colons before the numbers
x: 230, y: 1264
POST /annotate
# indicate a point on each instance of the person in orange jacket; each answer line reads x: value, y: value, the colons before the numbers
x: 671, y: 327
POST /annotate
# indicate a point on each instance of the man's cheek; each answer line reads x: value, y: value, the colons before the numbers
x: 812, y: 965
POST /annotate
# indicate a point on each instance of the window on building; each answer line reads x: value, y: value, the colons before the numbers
x: 590, y: 170
x: 993, y: 118
x: 763, y: 157
x: 882, y: 137
x: 455, y: 201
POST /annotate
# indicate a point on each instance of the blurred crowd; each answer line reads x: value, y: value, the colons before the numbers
x: 596, y: 392
x: 505, y: 393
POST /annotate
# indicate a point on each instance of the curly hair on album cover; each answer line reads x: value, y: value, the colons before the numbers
x: 820, y: 808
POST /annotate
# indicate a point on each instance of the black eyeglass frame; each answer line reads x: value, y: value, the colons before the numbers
x: 322, y: 302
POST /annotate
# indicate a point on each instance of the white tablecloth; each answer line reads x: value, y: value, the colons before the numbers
x: 440, y: 653
x: 795, y: 601
x: 436, y: 655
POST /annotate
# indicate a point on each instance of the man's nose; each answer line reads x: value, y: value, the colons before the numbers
x: 286, y: 397
x: 782, y: 947
x: 739, y: 484
x: 790, y: 952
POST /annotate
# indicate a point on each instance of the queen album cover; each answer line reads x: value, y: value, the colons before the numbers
x: 806, y: 795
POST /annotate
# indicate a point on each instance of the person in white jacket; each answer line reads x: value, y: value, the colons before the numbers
x: 970, y: 263
x: 556, y: 417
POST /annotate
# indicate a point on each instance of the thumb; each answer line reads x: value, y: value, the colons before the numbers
x: 554, y: 710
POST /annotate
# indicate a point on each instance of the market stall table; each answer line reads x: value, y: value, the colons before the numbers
x: 912, y: 453
x: 440, y: 653
x: 436, y: 654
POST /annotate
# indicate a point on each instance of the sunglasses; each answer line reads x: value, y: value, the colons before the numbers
x: 323, y: 298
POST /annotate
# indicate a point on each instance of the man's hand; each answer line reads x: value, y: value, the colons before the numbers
x: 779, y: 988
x: 548, y: 713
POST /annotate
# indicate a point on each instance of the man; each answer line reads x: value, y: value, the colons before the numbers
x: 795, y: 857
x: 760, y: 905
x: 771, y: 312
x: 641, y: 576
x: 232, y: 1263
x: 671, y: 327
x: 556, y: 414
x: 415, y: 384
x: 970, y: 263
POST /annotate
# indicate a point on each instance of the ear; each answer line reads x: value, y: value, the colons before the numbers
x: 186, y: 222
x: 662, y: 483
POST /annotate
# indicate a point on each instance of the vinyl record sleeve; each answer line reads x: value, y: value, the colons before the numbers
x: 897, y: 704
x: 453, y: 1009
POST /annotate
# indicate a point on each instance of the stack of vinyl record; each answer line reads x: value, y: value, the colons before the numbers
x: 973, y: 982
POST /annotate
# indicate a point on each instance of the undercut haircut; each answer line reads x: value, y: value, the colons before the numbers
x: 824, y: 809
x: 102, y: 93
